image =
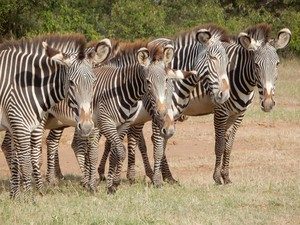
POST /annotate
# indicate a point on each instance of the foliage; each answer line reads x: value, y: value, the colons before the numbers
x: 125, y: 19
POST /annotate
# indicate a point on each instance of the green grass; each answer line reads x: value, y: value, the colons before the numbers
x: 189, y: 203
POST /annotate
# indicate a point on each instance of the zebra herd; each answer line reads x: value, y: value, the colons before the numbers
x: 112, y: 88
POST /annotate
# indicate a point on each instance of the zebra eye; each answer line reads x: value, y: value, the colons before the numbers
x: 148, y: 83
x: 277, y: 64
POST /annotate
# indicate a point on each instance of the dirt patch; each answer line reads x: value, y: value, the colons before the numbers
x: 271, y: 149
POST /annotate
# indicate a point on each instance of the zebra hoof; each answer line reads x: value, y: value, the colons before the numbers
x: 93, y: 190
x: 217, y: 178
x: 60, y: 177
x: 171, y: 181
x: 117, y: 182
x: 227, y: 181
x: 225, y: 177
x: 131, y: 181
x: 102, y: 177
x: 157, y: 184
x: 111, y: 190
x: 41, y: 192
x: 52, y: 182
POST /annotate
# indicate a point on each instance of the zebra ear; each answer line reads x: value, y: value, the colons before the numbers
x: 102, y: 50
x: 56, y: 55
x: 203, y: 36
x: 247, y: 42
x: 143, y: 56
x: 168, y: 53
x: 283, y: 38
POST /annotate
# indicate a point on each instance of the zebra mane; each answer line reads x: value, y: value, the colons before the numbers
x: 259, y: 32
x: 216, y: 31
x: 124, y: 48
x: 68, y: 43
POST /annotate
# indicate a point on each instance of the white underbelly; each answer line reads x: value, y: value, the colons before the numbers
x: 199, y: 106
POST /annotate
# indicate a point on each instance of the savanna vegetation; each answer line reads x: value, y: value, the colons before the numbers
x: 131, y: 19
x: 265, y: 159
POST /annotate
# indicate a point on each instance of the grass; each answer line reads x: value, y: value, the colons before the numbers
x: 245, y: 203
x: 265, y: 167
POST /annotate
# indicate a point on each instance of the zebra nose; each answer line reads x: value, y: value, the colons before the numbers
x: 85, y: 128
x: 267, y: 104
x: 167, y: 132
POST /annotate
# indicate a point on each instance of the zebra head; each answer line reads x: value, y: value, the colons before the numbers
x: 80, y: 79
x: 158, y: 60
x: 265, y: 59
x: 212, y: 62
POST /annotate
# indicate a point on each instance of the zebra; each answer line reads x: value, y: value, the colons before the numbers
x: 253, y: 63
x: 210, y: 62
x: 36, y: 74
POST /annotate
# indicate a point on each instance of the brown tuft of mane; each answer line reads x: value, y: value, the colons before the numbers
x: 213, y: 28
x: 260, y: 31
x: 58, y: 40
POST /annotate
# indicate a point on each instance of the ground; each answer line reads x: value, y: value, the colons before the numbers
x: 259, y: 148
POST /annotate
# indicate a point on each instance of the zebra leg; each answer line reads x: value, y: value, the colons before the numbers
x: 122, y: 131
x: 52, y: 141
x: 166, y: 173
x: 145, y: 158
x: 133, y: 136
x: 158, y: 143
x: 36, y: 152
x: 21, y: 160
x: 101, y: 168
x: 79, y: 146
x: 230, y: 135
x: 7, y: 149
x: 58, y: 173
x: 117, y: 155
x: 220, y: 119
x: 92, y: 153
x: 15, y: 174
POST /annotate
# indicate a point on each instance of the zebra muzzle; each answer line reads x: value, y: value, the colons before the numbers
x: 267, y: 103
x: 85, y: 123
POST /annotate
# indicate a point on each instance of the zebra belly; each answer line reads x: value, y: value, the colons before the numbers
x: 199, y: 106
x: 57, y: 122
